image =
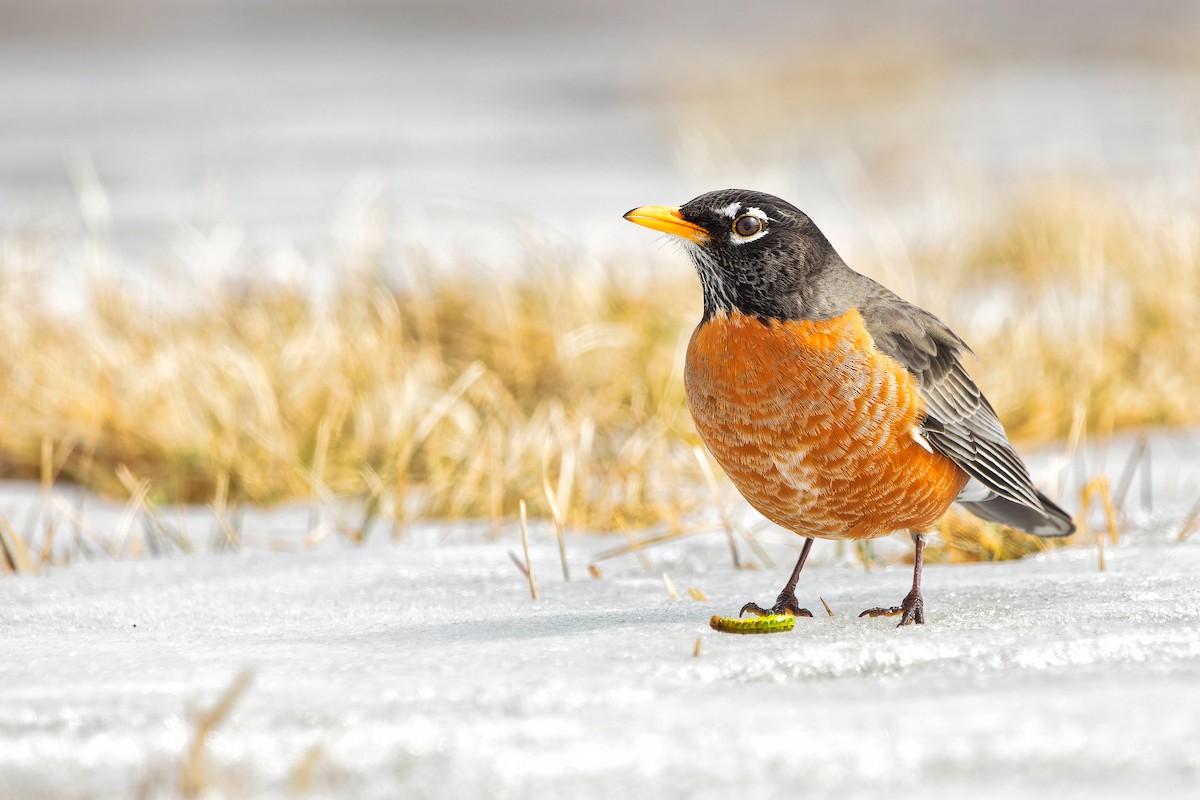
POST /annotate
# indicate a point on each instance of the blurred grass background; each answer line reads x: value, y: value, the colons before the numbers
x: 407, y: 360
x: 444, y: 394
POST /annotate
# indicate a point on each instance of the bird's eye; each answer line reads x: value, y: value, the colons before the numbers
x: 747, y: 225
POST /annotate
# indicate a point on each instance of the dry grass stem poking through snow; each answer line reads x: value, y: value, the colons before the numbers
x: 195, y: 773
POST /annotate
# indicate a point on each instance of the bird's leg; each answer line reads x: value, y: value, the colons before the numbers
x: 786, y: 603
x: 912, y: 608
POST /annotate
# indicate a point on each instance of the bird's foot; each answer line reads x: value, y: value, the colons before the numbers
x: 911, y: 610
x: 785, y: 605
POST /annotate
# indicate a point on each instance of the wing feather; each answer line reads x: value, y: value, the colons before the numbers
x: 960, y: 423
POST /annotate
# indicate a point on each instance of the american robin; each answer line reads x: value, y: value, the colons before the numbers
x: 839, y: 410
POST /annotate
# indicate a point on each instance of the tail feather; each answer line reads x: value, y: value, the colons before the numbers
x: 1048, y: 523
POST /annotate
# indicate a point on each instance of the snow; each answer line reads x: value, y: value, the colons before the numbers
x: 423, y: 669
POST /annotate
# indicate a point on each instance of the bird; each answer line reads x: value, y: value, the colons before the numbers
x: 838, y: 409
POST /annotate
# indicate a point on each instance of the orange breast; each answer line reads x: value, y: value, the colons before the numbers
x: 815, y: 426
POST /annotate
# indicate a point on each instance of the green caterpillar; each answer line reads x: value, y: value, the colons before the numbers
x: 776, y: 623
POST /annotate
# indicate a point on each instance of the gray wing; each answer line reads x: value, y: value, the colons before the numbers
x: 960, y: 423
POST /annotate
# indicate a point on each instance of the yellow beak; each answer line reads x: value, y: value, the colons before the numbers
x: 668, y: 220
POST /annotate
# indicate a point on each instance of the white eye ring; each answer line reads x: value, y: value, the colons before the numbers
x: 759, y: 229
x: 754, y: 227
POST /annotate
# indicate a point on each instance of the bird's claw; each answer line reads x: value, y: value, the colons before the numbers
x: 911, y: 610
x: 785, y: 605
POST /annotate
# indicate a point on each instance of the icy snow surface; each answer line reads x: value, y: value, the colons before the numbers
x: 424, y: 669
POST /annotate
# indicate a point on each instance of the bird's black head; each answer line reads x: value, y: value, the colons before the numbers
x: 755, y: 253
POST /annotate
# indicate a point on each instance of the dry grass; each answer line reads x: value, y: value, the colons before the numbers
x: 196, y: 776
x: 444, y: 394
x: 1105, y: 312
x: 965, y: 539
x: 445, y: 397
